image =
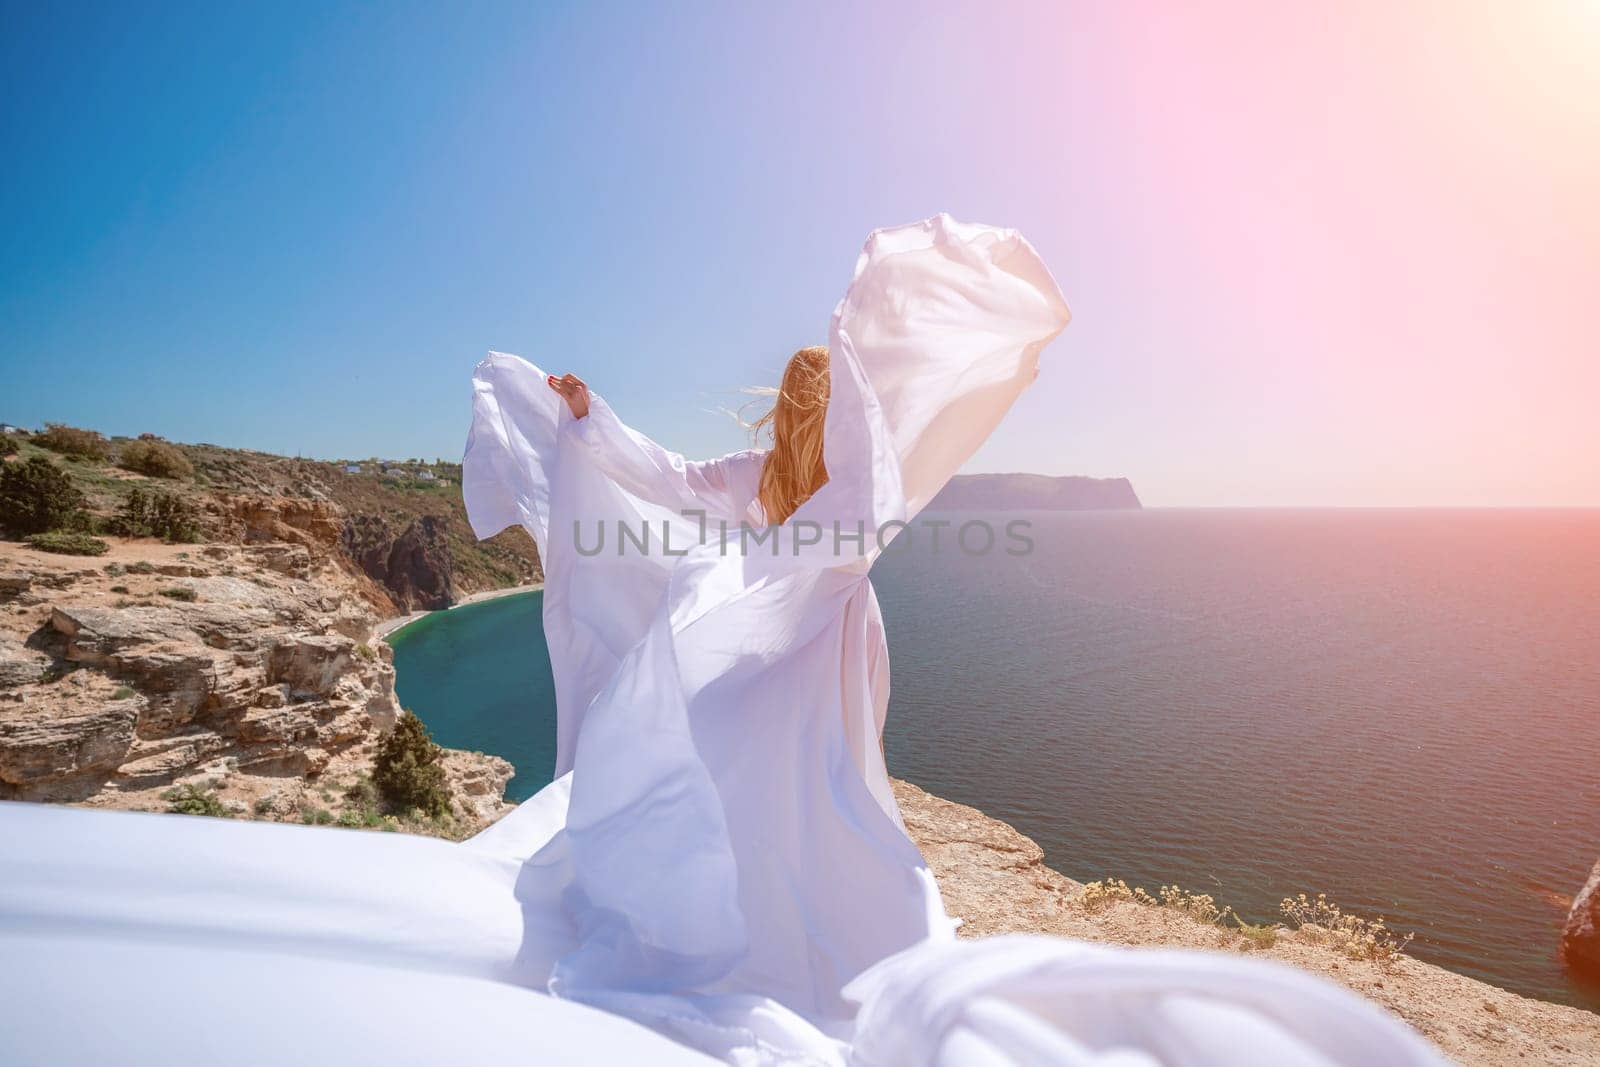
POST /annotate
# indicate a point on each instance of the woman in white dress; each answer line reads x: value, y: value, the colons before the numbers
x: 794, y: 753
x: 721, y: 691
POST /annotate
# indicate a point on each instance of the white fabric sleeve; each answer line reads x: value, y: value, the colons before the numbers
x: 520, y: 429
x: 938, y: 334
x: 505, y: 472
x: 655, y: 474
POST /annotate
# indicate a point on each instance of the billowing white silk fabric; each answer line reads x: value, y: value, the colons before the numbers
x: 1044, y: 1000
x: 140, y: 939
x: 720, y: 858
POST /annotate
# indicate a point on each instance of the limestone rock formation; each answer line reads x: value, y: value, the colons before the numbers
x: 477, y: 782
x: 249, y: 671
x: 1580, y: 940
x: 254, y: 518
x: 129, y: 680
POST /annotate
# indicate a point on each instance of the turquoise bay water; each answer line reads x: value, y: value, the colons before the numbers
x: 1396, y: 708
x: 479, y: 676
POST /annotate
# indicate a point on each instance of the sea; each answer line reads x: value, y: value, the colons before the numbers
x: 1397, y: 708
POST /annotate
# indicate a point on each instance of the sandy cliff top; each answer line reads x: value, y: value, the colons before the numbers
x: 995, y: 879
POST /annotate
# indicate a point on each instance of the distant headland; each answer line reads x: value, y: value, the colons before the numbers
x: 1024, y: 492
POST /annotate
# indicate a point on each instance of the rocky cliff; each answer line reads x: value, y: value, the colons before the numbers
x: 249, y: 669
x: 402, y: 526
x: 1580, y: 940
x: 411, y: 561
x: 1024, y: 492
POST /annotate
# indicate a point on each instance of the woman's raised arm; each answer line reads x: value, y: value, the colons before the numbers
x: 647, y: 470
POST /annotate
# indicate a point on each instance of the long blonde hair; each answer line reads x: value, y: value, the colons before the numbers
x: 794, y: 469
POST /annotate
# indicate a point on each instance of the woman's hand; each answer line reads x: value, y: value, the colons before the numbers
x: 573, y: 391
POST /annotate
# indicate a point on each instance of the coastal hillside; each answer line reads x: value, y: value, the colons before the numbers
x: 398, y: 526
x: 1034, y: 492
x: 194, y: 628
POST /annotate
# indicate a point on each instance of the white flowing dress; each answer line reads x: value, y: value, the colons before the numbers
x: 719, y: 867
x: 731, y: 830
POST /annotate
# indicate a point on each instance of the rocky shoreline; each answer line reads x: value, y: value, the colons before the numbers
x: 399, y: 622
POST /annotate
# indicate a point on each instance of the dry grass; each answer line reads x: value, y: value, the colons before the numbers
x: 1318, y: 920
x: 1262, y: 936
x: 1358, y: 938
x: 1198, y: 906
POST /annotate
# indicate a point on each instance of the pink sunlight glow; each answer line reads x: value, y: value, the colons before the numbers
x: 1358, y: 251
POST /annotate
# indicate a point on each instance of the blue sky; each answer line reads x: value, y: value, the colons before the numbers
x: 297, y: 227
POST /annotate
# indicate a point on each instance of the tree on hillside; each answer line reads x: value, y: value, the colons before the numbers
x: 407, y: 770
x: 36, y: 496
x: 155, y: 458
x: 73, y: 442
x: 164, y: 515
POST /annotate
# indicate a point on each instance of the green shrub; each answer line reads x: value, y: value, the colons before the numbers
x: 1262, y: 936
x: 155, y: 458
x: 312, y: 815
x: 363, y: 810
x: 362, y: 792
x: 173, y: 519
x: 361, y: 819
x: 71, y: 441
x: 37, y: 496
x: 8, y: 445
x: 179, y: 592
x: 142, y: 566
x: 193, y: 800
x: 68, y: 544
x: 82, y: 522
x: 407, y: 770
x: 164, y: 515
x: 123, y: 692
